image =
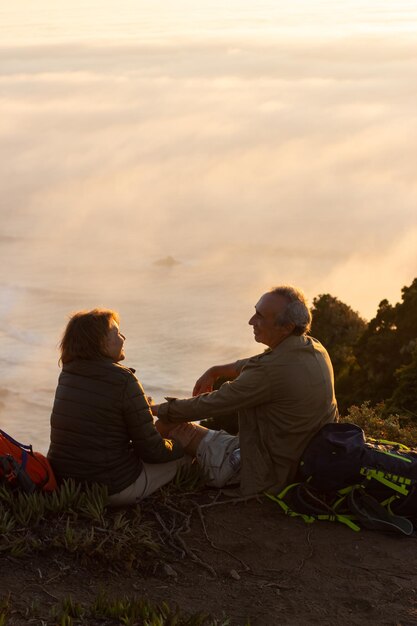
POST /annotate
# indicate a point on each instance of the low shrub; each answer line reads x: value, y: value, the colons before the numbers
x: 375, y: 424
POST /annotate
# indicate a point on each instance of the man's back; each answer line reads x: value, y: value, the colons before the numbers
x: 282, y: 397
x: 296, y: 379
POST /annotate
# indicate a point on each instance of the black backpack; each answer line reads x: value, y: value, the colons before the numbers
x: 359, y: 481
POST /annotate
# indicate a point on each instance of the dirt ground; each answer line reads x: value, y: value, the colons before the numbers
x: 248, y: 561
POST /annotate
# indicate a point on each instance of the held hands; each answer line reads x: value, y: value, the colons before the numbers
x: 153, y: 407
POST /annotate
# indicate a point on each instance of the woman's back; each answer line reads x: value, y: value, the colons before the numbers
x: 102, y: 428
x: 89, y: 436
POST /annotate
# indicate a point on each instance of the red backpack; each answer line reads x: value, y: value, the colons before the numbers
x: 22, y: 468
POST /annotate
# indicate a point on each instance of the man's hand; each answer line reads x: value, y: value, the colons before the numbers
x: 205, y: 382
x: 154, y: 408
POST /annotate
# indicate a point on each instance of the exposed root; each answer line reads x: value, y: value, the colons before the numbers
x: 310, y: 553
x: 231, y: 501
x: 178, y: 543
x: 211, y: 542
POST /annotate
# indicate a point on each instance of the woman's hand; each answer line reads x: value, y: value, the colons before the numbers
x: 154, y: 408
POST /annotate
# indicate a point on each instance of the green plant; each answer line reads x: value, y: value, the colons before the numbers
x: 124, y: 610
x: 93, y: 502
x: 7, y: 521
x: 4, y: 609
x: 374, y: 423
x: 190, y: 477
x: 64, y: 498
x: 28, y: 508
x: 74, y: 609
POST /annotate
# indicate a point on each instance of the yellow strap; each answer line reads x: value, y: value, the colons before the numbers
x: 389, y: 443
x: 379, y: 476
x: 396, y: 456
x: 309, y: 519
x: 347, y: 519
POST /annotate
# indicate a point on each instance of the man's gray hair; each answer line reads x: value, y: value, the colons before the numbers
x: 296, y: 311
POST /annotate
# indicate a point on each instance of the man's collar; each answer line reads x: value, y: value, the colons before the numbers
x: 288, y: 342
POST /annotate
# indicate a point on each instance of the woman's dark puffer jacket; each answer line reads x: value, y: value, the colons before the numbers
x: 102, y: 428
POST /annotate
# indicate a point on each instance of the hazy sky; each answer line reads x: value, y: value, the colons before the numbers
x: 257, y: 142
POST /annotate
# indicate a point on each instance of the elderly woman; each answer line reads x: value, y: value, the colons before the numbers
x: 102, y: 428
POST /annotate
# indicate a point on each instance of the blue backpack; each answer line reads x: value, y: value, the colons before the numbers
x: 358, y: 481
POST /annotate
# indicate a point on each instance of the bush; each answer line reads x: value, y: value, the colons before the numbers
x: 374, y: 423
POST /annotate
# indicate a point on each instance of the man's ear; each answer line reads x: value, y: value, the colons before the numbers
x: 289, y: 327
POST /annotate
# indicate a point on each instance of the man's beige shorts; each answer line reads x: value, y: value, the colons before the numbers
x: 215, y: 456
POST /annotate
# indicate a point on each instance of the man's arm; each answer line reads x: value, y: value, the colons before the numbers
x: 250, y: 388
x: 205, y: 383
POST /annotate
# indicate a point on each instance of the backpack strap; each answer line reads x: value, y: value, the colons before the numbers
x: 14, y: 471
x: 397, y: 483
x: 314, y: 507
x: 27, y: 448
x: 5, y: 467
x: 279, y: 499
x: 395, y: 444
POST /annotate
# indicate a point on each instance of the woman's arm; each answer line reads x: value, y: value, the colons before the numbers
x: 146, y: 440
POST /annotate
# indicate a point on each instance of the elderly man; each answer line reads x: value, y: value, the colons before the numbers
x: 283, y: 397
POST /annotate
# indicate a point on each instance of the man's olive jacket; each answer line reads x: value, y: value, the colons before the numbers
x: 102, y: 427
x: 283, y: 397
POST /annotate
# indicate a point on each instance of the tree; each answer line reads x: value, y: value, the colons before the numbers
x: 377, y: 356
x: 404, y: 399
x: 338, y: 327
x: 386, y: 347
x: 375, y: 362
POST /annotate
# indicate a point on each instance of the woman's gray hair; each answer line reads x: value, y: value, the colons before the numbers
x: 296, y: 311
